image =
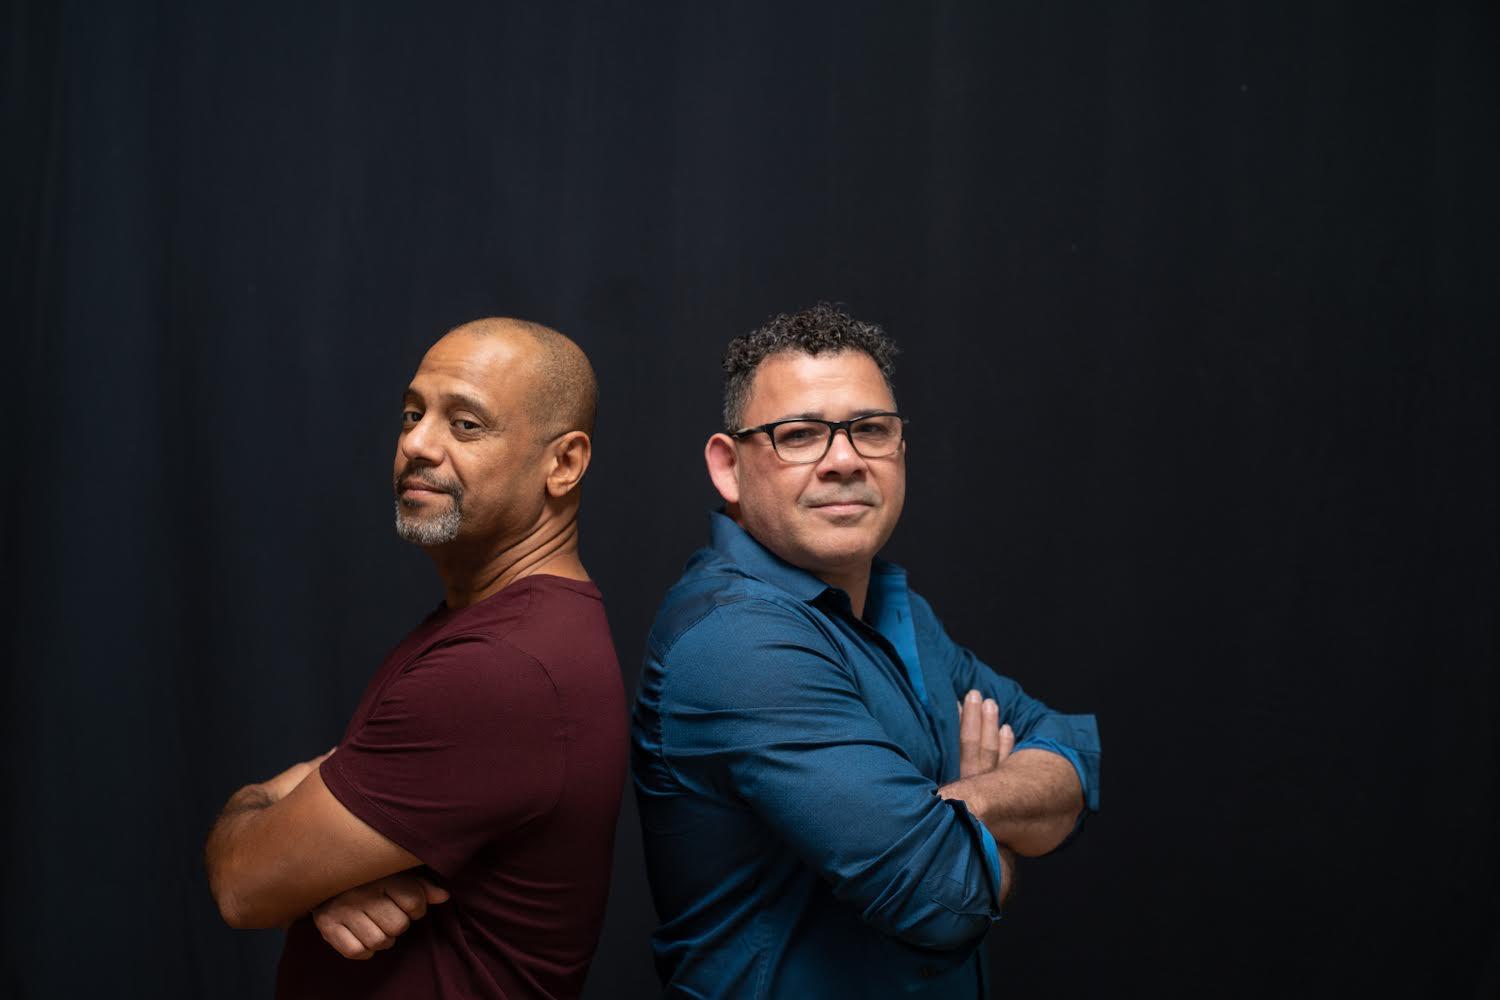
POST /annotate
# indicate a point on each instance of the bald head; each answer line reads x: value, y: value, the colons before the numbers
x: 563, y: 395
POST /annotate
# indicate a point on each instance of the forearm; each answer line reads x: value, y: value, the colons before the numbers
x: 227, y: 855
x: 1007, y: 873
x: 285, y: 845
x: 1030, y: 802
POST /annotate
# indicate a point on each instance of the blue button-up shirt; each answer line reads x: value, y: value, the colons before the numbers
x: 787, y: 757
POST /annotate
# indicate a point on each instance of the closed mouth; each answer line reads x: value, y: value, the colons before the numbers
x: 417, y: 486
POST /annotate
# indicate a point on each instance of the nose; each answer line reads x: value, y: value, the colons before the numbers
x: 421, y: 442
x: 841, y: 460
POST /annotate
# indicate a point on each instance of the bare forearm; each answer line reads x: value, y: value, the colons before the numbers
x: 223, y: 855
x: 1028, y: 803
x: 285, y: 845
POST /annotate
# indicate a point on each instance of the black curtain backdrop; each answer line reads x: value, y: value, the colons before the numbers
x: 1198, y: 305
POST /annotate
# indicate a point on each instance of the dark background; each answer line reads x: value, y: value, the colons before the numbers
x: 1198, y: 306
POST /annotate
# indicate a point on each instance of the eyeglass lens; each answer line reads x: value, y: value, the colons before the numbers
x: 808, y: 441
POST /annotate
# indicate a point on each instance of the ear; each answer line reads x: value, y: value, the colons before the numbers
x: 723, y: 458
x: 570, y: 460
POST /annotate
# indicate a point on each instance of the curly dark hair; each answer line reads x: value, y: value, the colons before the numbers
x: 824, y: 329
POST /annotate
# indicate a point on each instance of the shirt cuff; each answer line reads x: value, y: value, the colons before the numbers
x: 992, y: 852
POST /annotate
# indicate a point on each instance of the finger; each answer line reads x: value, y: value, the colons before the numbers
x: 409, y: 894
x: 969, y: 736
x: 369, y: 933
x: 435, y: 893
x: 390, y: 918
x: 348, y: 945
x: 1007, y: 740
x: 340, y: 939
x: 989, y: 730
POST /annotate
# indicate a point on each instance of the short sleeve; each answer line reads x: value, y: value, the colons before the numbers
x: 463, y: 746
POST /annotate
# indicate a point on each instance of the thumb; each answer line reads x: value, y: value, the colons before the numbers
x: 435, y: 893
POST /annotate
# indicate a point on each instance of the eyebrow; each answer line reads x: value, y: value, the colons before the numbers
x: 454, y: 401
x: 818, y: 414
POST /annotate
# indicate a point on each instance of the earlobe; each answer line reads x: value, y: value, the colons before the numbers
x: 722, y: 459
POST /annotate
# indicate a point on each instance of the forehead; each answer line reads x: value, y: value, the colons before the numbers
x: 831, y: 386
x: 493, y: 369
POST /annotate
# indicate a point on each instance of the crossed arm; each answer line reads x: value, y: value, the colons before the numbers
x: 282, y: 847
x: 1028, y: 799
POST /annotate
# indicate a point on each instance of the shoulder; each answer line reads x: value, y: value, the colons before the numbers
x: 542, y: 622
x: 715, y: 593
x: 728, y: 609
x: 474, y: 670
x: 751, y: 651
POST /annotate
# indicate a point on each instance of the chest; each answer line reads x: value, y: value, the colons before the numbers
x: 908, y: 697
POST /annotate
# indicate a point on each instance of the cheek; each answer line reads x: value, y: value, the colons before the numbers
x: 769, y: 502
x: 896, y: 496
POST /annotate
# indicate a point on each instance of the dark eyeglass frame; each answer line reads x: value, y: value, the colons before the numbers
x: 834, y: 426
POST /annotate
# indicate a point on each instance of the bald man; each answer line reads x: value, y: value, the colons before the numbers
x: 457, y: 841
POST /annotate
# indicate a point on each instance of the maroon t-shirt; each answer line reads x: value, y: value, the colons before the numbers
x: 491, y: 744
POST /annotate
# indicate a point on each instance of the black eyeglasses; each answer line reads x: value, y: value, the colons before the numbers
x: 804, y: 440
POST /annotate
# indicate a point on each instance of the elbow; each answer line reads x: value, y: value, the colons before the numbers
x: 244, y: 914
x: 239, y: 905
x: 1039, y: 842
x: 942, y: 919
x: 1045, y: 835
x: 941, y: 932
x: 233, y: 912
x: 231, y: 904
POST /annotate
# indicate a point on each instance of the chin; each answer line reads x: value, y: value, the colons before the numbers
x: 836, y: 558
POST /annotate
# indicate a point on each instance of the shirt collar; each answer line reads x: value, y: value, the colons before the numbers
x: 735, y: 544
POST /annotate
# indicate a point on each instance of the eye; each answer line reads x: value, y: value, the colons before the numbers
x: 410, y: 417
x: 795, y: 434
x: 873, y: 430
x: 467, y: 426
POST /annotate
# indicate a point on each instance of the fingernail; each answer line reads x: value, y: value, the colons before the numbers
x: 973, y: 695
x: 990, y: 703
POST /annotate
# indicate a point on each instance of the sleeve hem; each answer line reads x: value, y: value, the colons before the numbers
x: 992, y: 854
x: 382, y: 822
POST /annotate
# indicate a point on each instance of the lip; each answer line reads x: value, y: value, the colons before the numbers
x: 848, y: 507
x: 418, y: 489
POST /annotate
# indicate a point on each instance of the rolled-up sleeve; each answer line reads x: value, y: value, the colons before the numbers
x: 760, y: 709
x: 1075, y: 738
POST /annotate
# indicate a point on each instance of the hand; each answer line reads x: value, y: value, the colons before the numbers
x: 279, y: 787
x: 368, y: 918
x: 982, y: 742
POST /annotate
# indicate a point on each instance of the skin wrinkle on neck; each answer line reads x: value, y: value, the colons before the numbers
x: 551, y: 545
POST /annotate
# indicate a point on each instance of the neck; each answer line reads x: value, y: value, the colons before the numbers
x: 550, y: 547
x: 855, y: 583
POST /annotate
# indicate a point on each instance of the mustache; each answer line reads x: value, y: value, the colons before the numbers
x: 863, y: 495
x: 416, y: 475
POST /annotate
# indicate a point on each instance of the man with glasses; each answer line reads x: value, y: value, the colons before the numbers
x: 831, y: 790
